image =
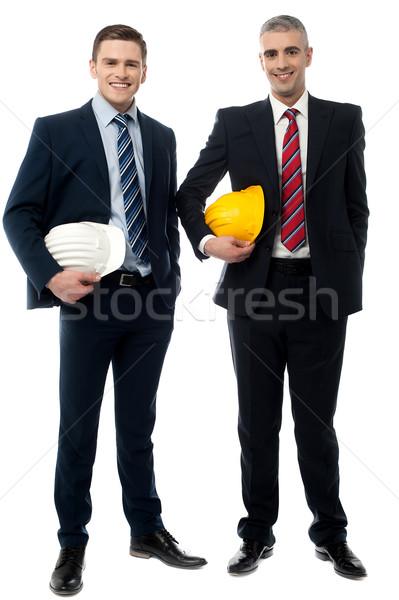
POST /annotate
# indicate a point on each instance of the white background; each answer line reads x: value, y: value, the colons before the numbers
x: 202, y: 56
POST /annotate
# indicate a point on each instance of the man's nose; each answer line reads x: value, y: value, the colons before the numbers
x: 120, y: 71
x: 282, y: 61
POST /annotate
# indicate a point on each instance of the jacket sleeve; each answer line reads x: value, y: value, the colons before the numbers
x: 172, y: 220
x: 355, y: 186
x: 202, y: 179
x: 24, y: 211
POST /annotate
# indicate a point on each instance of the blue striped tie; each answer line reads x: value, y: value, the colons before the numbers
x: 132, y: 200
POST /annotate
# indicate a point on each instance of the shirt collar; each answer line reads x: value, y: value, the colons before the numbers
x: 106, y: 112
x: 279, y: 108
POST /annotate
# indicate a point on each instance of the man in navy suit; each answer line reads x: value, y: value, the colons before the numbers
x: 70, y: 174
x: 287, y: 304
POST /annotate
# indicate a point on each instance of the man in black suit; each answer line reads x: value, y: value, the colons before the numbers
x: 71, y: 173
x: 288, y: 295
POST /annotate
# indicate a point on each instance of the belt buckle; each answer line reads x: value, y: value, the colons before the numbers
x: 125, y: 276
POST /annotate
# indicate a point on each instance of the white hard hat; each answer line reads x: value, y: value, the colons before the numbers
x: 87, y: 247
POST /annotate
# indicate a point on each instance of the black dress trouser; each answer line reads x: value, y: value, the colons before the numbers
x: 130, y: 329
x: 289, y: 331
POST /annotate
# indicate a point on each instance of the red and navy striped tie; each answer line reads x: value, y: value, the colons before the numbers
x: 132, y: 199
x: 292, y: 213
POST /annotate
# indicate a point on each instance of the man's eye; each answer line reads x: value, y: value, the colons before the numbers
x: 270, y: 54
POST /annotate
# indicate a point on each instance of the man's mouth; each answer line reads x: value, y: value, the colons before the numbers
x: 119, y: 85
x: 283, y: 76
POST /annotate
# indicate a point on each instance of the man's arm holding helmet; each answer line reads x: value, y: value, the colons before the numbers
x: 201, y: 181
x: 228, y: 248
x: 23, y: 219
x: 71, y: 286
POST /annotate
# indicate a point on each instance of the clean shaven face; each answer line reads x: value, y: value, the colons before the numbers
x: 119, y: 72
x: 284, y: 58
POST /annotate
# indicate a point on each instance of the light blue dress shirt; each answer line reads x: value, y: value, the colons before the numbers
x: 105, y: 114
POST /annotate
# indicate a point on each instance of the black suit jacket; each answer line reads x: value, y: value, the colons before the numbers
x: 242, y: 143
x: 64, y: 179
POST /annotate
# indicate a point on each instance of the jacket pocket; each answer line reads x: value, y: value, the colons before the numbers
x: 343, y: 242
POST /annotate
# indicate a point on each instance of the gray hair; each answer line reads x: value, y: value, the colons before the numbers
x: 285, y: 23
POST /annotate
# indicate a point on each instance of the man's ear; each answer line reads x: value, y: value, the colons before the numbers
x: 93, y: 71
x: 309, y: 56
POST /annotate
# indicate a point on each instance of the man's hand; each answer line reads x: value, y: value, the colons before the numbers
x: 71, y: 286
x: 228, y: 248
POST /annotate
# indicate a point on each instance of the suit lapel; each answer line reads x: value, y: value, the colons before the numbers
x: 146, y: 136
x: 319, y: 121
x: 92, y: 134
x: 262, y: 125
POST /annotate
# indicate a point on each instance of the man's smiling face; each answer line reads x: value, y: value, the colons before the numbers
x: 120, y: 72
x: 284, y: 57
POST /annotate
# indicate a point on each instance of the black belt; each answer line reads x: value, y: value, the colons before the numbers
x: 299, y: 266
x: 126, y: 279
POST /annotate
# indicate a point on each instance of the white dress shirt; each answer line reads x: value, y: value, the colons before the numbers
x: 280, y: 126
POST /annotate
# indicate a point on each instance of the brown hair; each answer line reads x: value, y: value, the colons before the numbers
x: 120, y: 32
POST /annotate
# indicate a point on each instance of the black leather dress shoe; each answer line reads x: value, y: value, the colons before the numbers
x: 164, y: 546
x: 247, y: 558
x: 345, y: 562
x: 67, y: 575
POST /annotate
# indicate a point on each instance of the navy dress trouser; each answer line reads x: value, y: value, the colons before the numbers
x: 291, y: 332
x: 129, y: 328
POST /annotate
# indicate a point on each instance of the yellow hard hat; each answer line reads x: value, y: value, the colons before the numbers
x: 239, y: 214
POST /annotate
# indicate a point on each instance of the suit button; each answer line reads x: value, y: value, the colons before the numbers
x: 274, y: 213
x: 268, y: 248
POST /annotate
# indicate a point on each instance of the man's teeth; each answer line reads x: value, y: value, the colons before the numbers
x: 119, y: 85
x: 284, y: 76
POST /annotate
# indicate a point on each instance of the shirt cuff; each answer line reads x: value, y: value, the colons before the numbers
x: 203, y: 242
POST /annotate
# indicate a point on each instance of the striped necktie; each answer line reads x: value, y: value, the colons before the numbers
x: 132, y: 200
x: 292, y: 213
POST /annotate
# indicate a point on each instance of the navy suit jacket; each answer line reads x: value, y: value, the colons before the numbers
x: 242, y: 143
x: 64, y: 179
